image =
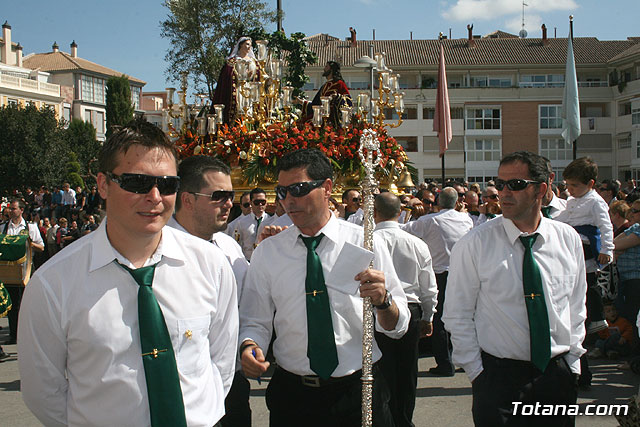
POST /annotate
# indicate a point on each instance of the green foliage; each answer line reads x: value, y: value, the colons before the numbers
x: 203, y: 32
x: 33, y: 148
x: 73, y: 171
x: 119, y: 107
x: 81, y: 138
x: 294, y: 49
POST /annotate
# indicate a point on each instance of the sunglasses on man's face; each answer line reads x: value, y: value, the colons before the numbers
x: 604, y: 189
x: 246, y: 205
x: 299, y: 189
x: 491, y: 196
x: 635, y: 211
x: 514, y: 184
x: 141, y: 184
x: 427, y: 202
x: 259, y: 202
x: 356, y: 200
x: 218, y: 196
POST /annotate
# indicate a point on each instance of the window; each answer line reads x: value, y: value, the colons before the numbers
x: 484, y: 81
x: 429, y: 82
x: 635, y: 116
x: 638, y: 149
x: 484, y: 150
x: 483, y: 118
x: 555, y: 149
x: 624, y: 108
x: 308, y: 86
x: 92, y: 89
x: 410, y: 113
x: 551, y: 117
x: 66, y: 113
x: 457, y: 113
x: 480, y: 177
x: 12, y: 102
x: 542, y: 80
x: 409, y: 143
x: 96, y: 118
x: 358, y: 84
x: 428, y: 113
x: 135, y: 97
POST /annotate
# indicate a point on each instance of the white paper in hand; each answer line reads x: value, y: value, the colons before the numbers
x: 351, y: 261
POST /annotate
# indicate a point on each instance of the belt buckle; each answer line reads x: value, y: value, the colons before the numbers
x: 310, y: 381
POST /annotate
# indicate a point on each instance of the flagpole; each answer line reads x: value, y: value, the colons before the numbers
x: 575, y: 141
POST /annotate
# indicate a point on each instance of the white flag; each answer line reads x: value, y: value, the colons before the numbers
x: 570, y: 100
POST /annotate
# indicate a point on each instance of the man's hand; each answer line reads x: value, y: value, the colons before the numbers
x: 253, y: 366
x: 270, y: 230
x: 604, y: 259
x: 482, y: 208
x: 426, y: 328
x: 340, y: 208
x: 372, y: 285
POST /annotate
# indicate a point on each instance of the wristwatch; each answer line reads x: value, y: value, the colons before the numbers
x: 386, y: 303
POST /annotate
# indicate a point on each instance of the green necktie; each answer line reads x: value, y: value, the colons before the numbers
x: 163, y: 383
x: 259, y: 220
x: 546, y: 211
x: 536, y: 307
x: 321, y: 344
x: 490, y: 215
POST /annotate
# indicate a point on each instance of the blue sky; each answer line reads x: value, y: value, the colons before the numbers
x: 125, y: 35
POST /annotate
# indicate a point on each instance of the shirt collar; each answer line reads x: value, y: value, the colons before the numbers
x: 331, y: 230
x: 102, y: 253
x: 21, y: 224
x: 555, y: 203
x: 386, y: 225
x: 513, y: 232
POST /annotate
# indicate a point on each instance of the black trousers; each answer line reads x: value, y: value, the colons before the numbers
x: 399, y: 366
x: 15, y: 292
x: 236, y: 405
x: 504, y: 381
x: 292, y: 404
x: 441, y: 339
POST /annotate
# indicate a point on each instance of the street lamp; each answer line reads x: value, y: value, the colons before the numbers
x: 367, y: 61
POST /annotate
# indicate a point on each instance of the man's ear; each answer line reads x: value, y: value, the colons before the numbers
x: 542, y: 191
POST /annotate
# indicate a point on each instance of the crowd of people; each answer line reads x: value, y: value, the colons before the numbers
x: 160, y: 304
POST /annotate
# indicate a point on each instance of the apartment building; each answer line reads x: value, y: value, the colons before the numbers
x: 83, y: 84
x: 20, y: 85
x: 505, y: 94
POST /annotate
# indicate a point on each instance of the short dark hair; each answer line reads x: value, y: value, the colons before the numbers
x: 538, y: 170
x: 255, y: 191
x: 612, y: 185
x: 138, y: 131
x: 315, y: 163
x: 191, y: 172
x: 583, y: 169
x: 387, y: 205
x: 245, y: 194
x: 18, y: 200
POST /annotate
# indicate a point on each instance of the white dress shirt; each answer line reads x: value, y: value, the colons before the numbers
x: 590, y: 209
x: 79, y: 347
x: 69, y: 197
x: 247, y: 228
x: 440, y: 231
x: 274, y: 298
x: 357, y: 217
x: 484, y: 307
x: 412, y: 262
x: 231, y: 227
x: 231, y: 250
x: 557, y: 206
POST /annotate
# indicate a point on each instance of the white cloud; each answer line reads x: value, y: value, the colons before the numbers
x: 532, y: 25
x: 466, y: 10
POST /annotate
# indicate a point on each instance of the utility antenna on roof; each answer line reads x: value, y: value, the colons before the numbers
x: 523, y: 32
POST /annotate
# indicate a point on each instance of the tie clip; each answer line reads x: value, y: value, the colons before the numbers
x: 531, y: 295
x: 154, y: 353
x: 314, y: 293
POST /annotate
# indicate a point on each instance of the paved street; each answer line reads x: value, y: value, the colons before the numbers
x: 440, y: 402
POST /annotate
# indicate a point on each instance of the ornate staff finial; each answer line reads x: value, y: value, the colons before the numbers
x: 369, y: 145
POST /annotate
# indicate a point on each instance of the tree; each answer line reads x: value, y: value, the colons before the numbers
x: 33, y: 149
x: 203, y: 32
x: 119, y: 107
x: 73, y: 171
x: 81, y: 139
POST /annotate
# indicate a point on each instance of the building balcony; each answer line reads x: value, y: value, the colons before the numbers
x: 28, y: 85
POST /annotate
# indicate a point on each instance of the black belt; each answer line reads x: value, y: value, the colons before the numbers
x: 317, y: 382
x: 504, y: 362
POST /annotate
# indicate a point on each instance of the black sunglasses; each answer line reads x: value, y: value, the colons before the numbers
x: 299, y: 189
x: 635, y: 210
x: 460, y: 194
x: 427, y: 202
x: 246, y: 205
x: 355, y: 199
x: 259, y: 202
x: 514, y: 184
x: 141, y: 184
x: 218, y: 196
x: 491, y: 196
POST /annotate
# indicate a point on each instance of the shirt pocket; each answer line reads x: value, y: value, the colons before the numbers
x: 193, y: 344
x: 561, y: 288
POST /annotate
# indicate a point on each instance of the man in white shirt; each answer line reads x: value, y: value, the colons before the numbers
x: 412, y: 262
x: 68, y: 199
x: 279, y: 219
x: 440, y: 231
x: 318, y: 325
x: 351, y: 201
x: 202, y: 209
x: 245, y: 208
x: 247, y: 227
x: 516, y: 313
x: 552, y: 205
x: 82, y: 327
x: 17, y: 225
